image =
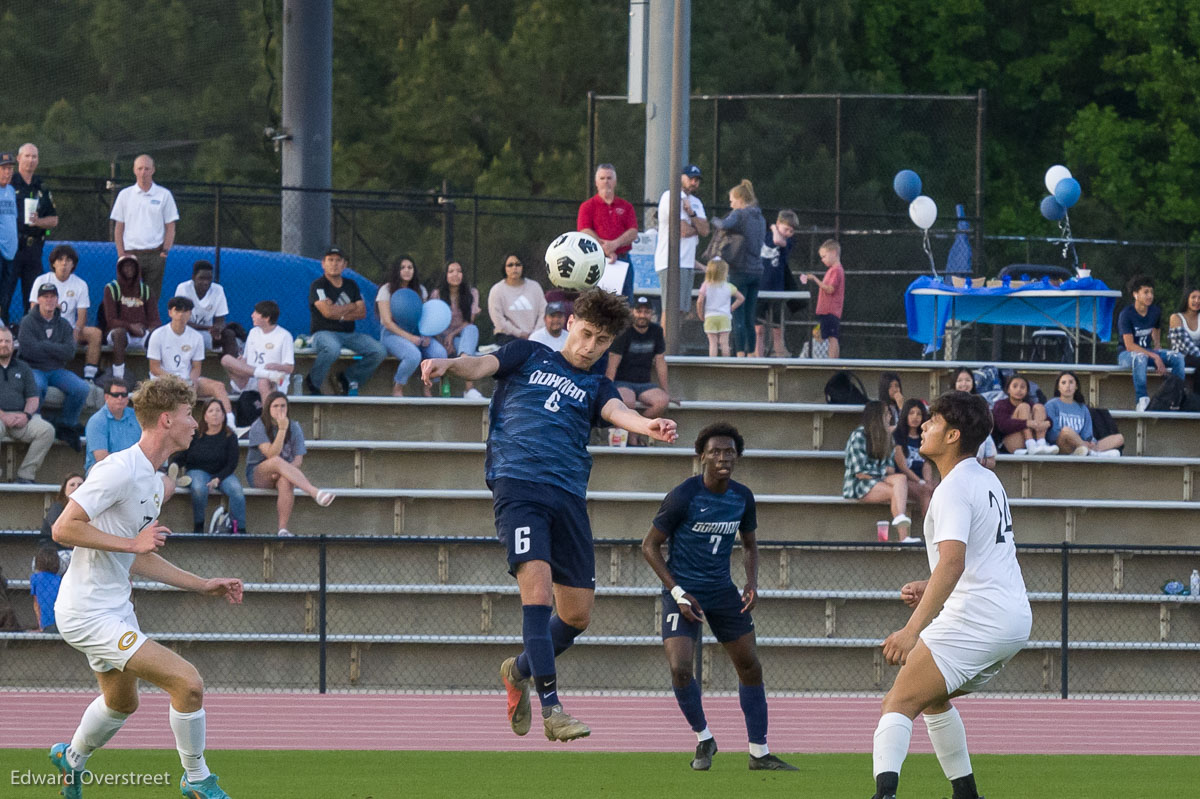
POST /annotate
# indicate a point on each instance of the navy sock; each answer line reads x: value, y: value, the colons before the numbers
x: 688, y: 698
x: 539, y: 651
x: 886, y: 783
x: 964, y: 787
x: 562, y: 635
x: 753, y: 699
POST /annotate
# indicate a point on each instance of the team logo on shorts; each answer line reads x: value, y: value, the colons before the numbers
x: 127, y: 640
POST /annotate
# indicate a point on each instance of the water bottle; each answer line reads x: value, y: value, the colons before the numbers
x: 1195, y: 588
x: 297, y: 385
x: 445, y: 387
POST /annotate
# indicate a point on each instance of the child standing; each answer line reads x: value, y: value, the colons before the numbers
x: 716, y: 303
x: 831, y: 294
x: 44, y: 587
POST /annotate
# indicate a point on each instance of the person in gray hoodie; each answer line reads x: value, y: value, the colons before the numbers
x: 746, y: 272
x: 47, y: 344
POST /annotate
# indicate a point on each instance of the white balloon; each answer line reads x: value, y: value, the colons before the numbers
x: 923, y: 212
x: 1054, y: 174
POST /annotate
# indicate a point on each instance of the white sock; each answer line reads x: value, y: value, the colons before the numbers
x: 90, y: 370
x: 1041, y: 442
x: 703, y: 735
x: 118, y: 370
x: 759, y: 750
x: 189, y: 740
x: 949, y: 739
x: 97, y: 727
x: 1029, y: 445
x: 891, y: 742
x: 230, y: 420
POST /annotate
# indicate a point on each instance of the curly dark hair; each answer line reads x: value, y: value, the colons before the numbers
x: 609, y: 312
x: 720, y: 429
x: 966, y: 413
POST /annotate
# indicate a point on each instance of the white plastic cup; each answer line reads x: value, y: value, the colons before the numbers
x: 881, y: 529
x: 31, y: 205
x: 618, y: 437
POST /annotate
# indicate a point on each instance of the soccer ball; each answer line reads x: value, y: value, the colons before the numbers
x: 575, y: 261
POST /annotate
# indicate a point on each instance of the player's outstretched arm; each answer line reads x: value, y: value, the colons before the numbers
x: 615, y: 412
x: 73, y: 529
x: 156, y: 567
x: 468, y: 367
x: 951, y: 562
x: 652, y: 552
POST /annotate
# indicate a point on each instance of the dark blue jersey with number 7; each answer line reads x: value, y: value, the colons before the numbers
x: 700, y: 527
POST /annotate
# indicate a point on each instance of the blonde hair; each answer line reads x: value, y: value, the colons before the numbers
x: 831, y: 245
x: 744, y: 191
x: 158, y: 396
x: 717, y: 271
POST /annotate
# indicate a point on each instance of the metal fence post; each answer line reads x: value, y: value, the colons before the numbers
x: 217, y: 234
x: 716, y: 165
x: 979, y: 122
x: 591, y: 143
x: 1065, y: 652
x: 837, y: 166
x: 448, y: 226
x: 321, y: 631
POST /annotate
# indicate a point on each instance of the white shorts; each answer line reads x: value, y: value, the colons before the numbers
x: 967, y: 656
x: 135, y: 342
x: 108, y: 640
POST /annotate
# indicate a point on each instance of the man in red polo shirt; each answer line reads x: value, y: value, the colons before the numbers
x: 612, y: 221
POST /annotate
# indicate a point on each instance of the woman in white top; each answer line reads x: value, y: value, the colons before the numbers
x: 1184, y: 333
x: 408, y: 348
x: 715, y: 305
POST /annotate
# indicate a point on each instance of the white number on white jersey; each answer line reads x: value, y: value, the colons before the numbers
x: 1005, y: 524
x: 552, y: 403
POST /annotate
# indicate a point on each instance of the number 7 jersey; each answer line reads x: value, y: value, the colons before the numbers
x: 970, y: 506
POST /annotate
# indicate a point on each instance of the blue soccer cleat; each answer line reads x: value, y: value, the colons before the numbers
x: 71, y: 780
x: 205, y: 789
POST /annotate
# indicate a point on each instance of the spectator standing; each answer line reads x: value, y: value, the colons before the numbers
x: 612, y: 221
x: 73, y: 302
x: 269, y: 355
x: 515, y: 304
x: 48, y: 345
x: 964, y: 380
x: 745, y: 219
x: 553, y: 333
x: 1071, y: 422
x: 43, y: 584
x: 130, y: 311
x: 177, y: 349
x: 112, y: 428
x: 1184, y: 333
x: 211, y: 461
x: 907, y: 453
x: 275, y: 456
x: 335, y: 304
x: 777, y: 245
x: 19, y: 419
x: 717, y: 301
x: 408, y: 348
x: 209, y: 309
x: 870, y: 474
x: 8, y: 236
x: 1137, y: 325
x: 1020, y: 422
x: 31, y: 229
x: 145, y: 217
x: 693, y: 223
x: 638, y: 359
x: 462, y: 337
x: 831, y: 294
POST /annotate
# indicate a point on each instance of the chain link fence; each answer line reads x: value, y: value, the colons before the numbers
x: 356, y: 614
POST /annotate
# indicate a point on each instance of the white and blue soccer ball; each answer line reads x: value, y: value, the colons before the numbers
x: 575, y: 261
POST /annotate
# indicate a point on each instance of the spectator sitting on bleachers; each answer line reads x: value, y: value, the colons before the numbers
x: 1184, y: 333
x: 1071, y: 422
x: 1137, y: 327
x: 48, y: 344
x: 130, y: 312
x: 515, y: 304
x: 71, y: 482
x: 554, y: 332
x: 637, y: 363
x: 870, y: 475
x: 269, y: 355
x: 19, y: 401
x: 462, y: 337
x: 1020, y: 421
x: 209, y: 309
x: 177, y: 349
x: 964, y: 380
x: 907, y: 453
x: 408, y: 348
x: 112, y: 428
x: 43, y: 585
x: 891, y: 394
x: 211, y: 461
x: 73, y: 302
x: 334, y: 304
x: 275, y: 456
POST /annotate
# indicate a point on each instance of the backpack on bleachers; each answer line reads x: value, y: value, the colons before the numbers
x: 247, y: 407
x: 1103, y: 424
x: 1173, y: 395
x: 844, y: 388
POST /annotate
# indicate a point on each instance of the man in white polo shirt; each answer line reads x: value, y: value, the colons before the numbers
x: 692, y: 225
x: 145, y: 214
x: 176, y: 349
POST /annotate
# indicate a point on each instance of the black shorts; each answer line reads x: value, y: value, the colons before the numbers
x: 722, y: 610
x: 830, y: 325
x: 536, y: 521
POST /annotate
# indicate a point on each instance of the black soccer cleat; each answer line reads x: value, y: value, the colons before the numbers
x: 769, y: 762
x: 704, y: 754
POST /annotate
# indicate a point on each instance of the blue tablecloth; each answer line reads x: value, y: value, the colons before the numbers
x: 1005, y: 306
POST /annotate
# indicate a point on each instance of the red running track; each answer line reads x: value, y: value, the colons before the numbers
x: 459, y: 722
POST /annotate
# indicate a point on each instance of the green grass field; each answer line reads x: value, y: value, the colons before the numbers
x: 497, y: 775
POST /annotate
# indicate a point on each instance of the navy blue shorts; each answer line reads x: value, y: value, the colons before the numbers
x: 537, y: 521
x: 722, y: 610
x: 830, y: 325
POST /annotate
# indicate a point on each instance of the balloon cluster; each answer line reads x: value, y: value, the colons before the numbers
x: 922, y: 210
x: 1064, y: 193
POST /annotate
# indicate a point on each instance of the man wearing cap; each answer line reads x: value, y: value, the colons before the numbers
x: 31, y: 229
x: 612, y: 221
x: 19, y: 401
x: 637, y: 359
x: 692, y: 225
x: 334, y: 305
x: 8, y: 235
x: 47, y: 345
x: 554, y: 333
x: 145, y: 217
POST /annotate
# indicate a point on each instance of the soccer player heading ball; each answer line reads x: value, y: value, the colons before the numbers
x: 541, y: 415
x: 699, y: 519
x: 970, y: 617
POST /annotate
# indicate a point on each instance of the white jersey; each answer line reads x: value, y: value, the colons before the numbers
x: 176, y: 352
x: 207, y: 309
x: 553, y: 342
x: 970, y: 506
x: 266, y: 348
x: 121, y: 495
x: 72, y: 294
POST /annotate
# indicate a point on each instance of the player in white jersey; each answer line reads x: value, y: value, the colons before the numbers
x: 970, y: 617
x: 73, y: 302
x: 176, y: 349
x: 209, y: 309
x: 112, y: 521
x: 269, y: 354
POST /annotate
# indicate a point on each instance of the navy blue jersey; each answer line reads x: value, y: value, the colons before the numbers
x: 700, y: 527
x: 541, y: 415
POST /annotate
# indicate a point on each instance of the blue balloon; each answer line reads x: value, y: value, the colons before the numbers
x: 1067, y: 192
x: 907, y: 185
x: 406, y: 309
x: 435, y: 318
x: 1051, y: 209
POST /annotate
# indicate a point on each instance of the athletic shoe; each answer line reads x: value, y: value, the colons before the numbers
x: 769, y: 762
x: 1082, y: 450
x: 910, y: 539
x: 1141, y: 404
x: 472, y: 393
x: 1049, y: 449
x: 71, y: 780
x: 325, y: 498
x: 704, y: 754
x: 559, y: 726
x: 518, y: 696
x: 1104, y: 453
x: 218, y: 519
x: 285, y: 533
x: 205, y: 789
x: 901, y: 519
x: 181, y: 480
